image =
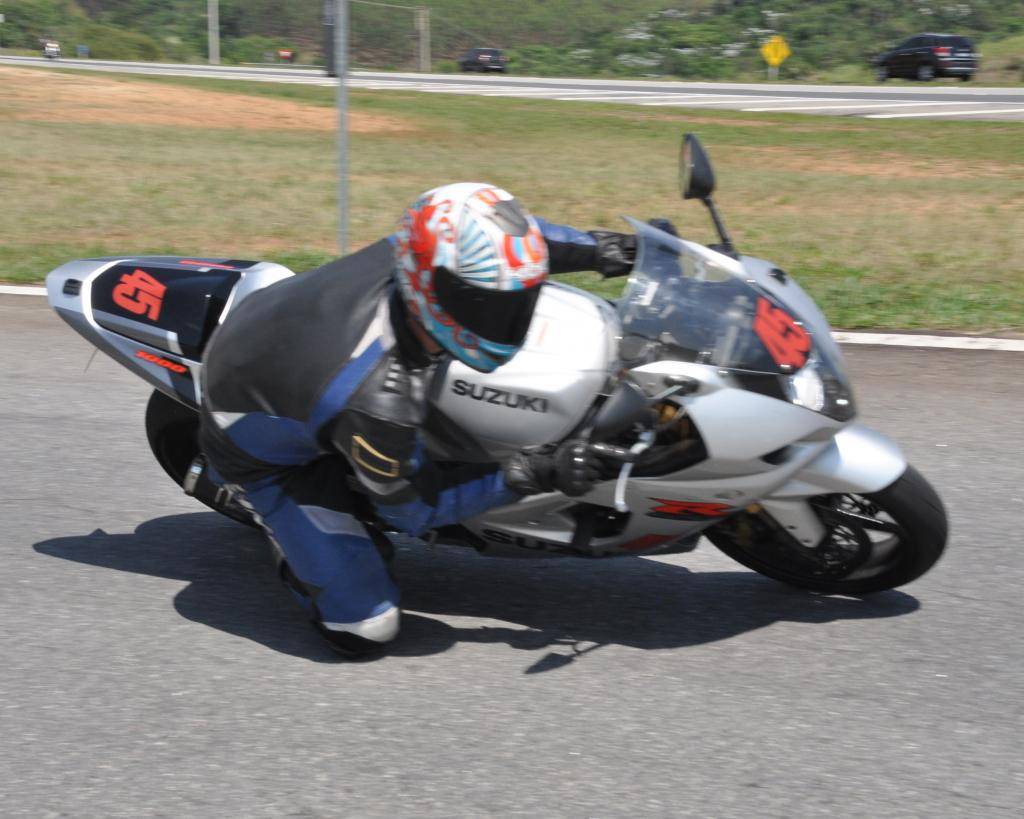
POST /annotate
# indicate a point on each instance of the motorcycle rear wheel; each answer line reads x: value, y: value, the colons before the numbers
x: 173, y: 433
x: 874, y: 542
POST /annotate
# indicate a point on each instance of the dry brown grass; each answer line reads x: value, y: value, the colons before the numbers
x: 55, y: 96
x: 884, y: 165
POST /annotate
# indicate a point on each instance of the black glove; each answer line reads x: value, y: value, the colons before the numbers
x: 615, y: 253
x: 571, y: 468
x: 661, y: 223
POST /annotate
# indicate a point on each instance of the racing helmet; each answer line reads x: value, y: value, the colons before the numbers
x: 470, y: 262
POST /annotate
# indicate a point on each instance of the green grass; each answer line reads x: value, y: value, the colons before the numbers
x: 889, y: 224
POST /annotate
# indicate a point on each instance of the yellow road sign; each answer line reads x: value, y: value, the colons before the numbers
x: 775, y: 51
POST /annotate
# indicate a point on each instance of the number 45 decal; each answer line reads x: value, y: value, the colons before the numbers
x: 139, y: 293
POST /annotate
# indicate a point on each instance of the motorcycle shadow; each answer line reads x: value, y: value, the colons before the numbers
x: 568, y: 606
x: 572, y: 606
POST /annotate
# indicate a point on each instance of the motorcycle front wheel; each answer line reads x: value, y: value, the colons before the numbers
x: 873, y: 542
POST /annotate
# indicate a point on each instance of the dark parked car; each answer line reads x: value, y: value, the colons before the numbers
x: 483, y: 59
x: 927, y: 56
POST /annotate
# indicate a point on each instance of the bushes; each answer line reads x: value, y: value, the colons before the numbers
x: 252, y: 49
x: 550, y: 60
x: 112, y: 43
x: 28, y: 21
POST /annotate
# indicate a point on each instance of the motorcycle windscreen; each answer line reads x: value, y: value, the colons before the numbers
x: 687, y: 302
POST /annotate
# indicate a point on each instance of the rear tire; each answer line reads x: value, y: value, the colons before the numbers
x: 173, y: 433
x: 925, y: 72
x: 907, y: 518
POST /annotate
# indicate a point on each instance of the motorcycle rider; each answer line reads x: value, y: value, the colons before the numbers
x: 339, y: 361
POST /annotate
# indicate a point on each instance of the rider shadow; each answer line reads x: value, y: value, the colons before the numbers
x: 232, y: 582
x: 568, y: 606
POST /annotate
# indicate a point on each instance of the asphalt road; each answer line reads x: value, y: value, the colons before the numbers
x: 933, y: 101
x: 152, y: 666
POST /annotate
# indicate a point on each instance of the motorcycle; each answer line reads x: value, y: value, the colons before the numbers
x: 712, y: 390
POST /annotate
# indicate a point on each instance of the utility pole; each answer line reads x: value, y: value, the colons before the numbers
x: 423, y: 27
x: 341, y: 69
x: 329, y: 37
x: 213, y: 31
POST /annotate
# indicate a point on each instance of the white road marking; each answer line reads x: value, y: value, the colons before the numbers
x: 1015, y: 345
x: 707, y: 99
x: 862, y: 104
x: 22, y: 290
x: 527, y: 92
x: 883, y: 339
x: 1018, y: 110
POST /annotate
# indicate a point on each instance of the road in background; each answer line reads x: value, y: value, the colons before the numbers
x: 152, y: 664
x: 962, y: 101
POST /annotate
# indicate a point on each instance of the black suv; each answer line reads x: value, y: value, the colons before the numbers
x: 483, y: 59
x: 928, y: 56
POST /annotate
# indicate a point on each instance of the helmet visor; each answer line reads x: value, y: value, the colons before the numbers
x: 501, y: 316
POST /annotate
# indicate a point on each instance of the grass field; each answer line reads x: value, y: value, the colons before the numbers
x: 896, y: 224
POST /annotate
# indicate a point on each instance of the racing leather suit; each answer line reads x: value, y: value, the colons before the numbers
x: 318, y: 378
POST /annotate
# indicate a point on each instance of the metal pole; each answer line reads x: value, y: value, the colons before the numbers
x: 423, y: 25
x: 213, y: 31
x: 329, y: 37
x: 341, y: 69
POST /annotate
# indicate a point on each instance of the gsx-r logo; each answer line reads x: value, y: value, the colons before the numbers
x: 502, y: 398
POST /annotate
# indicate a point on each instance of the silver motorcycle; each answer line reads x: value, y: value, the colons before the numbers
x: 712, y: 389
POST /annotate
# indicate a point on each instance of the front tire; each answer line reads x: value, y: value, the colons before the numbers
x: 874, y: 542
x: 882, y: 73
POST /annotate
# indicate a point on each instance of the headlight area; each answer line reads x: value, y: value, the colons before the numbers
x: 814, y: 386
x: 817, y: 388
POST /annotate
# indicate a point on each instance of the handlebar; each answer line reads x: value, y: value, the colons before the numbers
x: 614, y: 453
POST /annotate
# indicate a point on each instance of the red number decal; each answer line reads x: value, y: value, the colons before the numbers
x: 788, y: 343
x: 688, y: 510
x: 139, y: 293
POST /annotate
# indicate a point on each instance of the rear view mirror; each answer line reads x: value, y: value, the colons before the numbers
x: 696, y: 179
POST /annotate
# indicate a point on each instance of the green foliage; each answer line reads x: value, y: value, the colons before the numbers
x: 113, y: 43
x: 712, y: 39
x: 252, y: 49
x: 29, y: 21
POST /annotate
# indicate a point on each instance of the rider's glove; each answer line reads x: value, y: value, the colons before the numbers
x: 571, y: 469
x: 661, y: 223
x: 615, y: 253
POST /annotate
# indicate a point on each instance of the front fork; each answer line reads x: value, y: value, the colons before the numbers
x: 858, y: 461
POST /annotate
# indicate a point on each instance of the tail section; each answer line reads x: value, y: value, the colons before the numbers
x: 155, y: 314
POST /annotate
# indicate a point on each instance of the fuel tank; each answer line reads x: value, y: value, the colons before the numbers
x: 547, y: 388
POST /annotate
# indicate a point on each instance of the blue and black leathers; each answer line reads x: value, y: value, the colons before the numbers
x: 318, y: 378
